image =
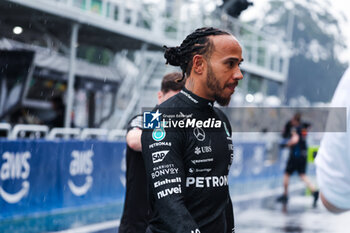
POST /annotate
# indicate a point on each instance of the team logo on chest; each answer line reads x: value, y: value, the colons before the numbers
x: 158, y: 134
x: 159, y: 156
x: 202, y: 150
x: 199, y: 134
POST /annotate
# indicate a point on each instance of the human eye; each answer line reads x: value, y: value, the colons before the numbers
x: 231, y: 63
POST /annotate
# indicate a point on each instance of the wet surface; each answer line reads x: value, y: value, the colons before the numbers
x: 63, y: 220
x: 297, y: 217
x: 267, y: 217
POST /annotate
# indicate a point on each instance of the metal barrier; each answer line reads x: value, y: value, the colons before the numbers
x: 66, y: 132
x: 116, y: 134
x: 42, y: 131
x: 5, y: 127
x: 35, y: 129
x: 90, y: 132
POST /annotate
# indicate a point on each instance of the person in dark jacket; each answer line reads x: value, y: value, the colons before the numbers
x: 189, y: 153
x: 136, y: 211
x: 295, y: 132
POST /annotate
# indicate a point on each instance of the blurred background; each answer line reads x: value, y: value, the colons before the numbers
x: 73, y: 72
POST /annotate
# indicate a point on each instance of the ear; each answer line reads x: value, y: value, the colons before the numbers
x: 160, y: 96
x: 199, y: 64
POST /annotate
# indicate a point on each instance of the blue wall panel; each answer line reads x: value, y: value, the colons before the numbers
x: 41, y: 176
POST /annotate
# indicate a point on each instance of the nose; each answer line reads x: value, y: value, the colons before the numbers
x: 237, y: 75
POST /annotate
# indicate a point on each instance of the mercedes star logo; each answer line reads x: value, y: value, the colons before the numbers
x: 199, y: 133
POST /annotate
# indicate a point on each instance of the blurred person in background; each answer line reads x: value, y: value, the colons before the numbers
x: 24, y: 116
x: 136, y: 208
x: 333, y: 157
x: 295, y: 132
x: 58, y: 109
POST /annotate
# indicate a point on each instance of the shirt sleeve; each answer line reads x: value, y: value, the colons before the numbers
x: 166, y: 179
x: 229, y: 217
x: 135, y: 122
x: 333, y: 157
x: 230, y: 223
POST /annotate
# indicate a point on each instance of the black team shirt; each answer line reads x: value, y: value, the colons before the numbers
x: 187, y: 168
x: 136, y: 208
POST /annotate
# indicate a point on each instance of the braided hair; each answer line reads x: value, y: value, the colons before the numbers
x: 195, y: 43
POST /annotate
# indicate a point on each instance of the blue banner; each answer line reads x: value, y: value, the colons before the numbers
x: 40, y: 176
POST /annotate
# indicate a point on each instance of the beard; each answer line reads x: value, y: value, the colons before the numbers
x: 214, y: 85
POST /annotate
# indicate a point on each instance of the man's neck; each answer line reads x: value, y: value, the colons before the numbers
x: 198, y: 88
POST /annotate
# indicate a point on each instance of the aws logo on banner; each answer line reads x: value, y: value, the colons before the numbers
x: 81, y: 164
x: 15, y: 167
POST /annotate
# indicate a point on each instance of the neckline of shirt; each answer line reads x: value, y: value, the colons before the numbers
x: 194, y: 99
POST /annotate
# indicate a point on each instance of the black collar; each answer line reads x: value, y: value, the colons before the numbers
x: 195, y: 100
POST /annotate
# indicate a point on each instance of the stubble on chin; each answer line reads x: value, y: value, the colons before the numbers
x: 214, y: 85
x: 223, y: 101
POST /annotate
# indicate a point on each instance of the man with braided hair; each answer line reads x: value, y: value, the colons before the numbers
x: 187, y: 162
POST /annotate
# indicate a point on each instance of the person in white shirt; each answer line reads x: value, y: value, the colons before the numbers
x: 333, y: 158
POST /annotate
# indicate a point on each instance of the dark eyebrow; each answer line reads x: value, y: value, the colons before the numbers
x: 234, y: 59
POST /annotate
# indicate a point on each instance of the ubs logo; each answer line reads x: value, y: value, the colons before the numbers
x: 81, y: 164
x: 15, y: 167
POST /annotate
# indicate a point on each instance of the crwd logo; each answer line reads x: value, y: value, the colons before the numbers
x: 81, y: 165
x: 15, y: 167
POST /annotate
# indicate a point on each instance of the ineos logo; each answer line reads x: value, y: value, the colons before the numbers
x: 199, y: 134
